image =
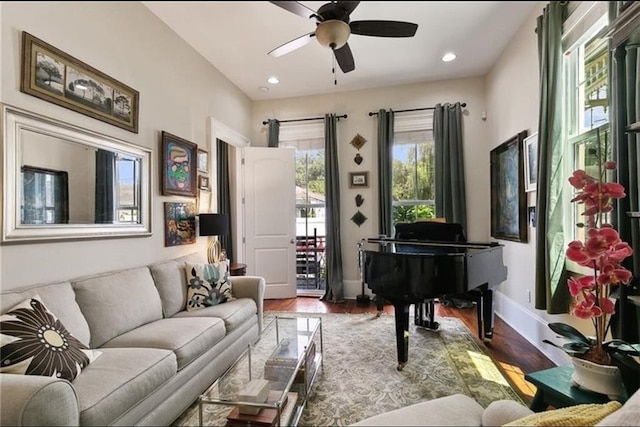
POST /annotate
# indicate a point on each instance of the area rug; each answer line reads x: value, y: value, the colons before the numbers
x: 359, y: 377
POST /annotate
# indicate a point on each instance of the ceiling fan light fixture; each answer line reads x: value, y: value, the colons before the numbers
x: 333, y: 33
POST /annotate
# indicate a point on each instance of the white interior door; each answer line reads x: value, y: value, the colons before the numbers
x: 270, y: 223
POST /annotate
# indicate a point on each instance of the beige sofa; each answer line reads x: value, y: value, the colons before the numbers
x: 461, y: 410
x: 156, y: 357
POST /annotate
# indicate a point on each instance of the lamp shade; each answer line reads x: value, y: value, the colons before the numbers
x: 214, y: 224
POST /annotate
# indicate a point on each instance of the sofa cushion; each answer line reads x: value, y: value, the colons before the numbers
x: 119, y: 380
x: 187, y: 338
x: 233, y: 313
x: 578, y: 415
x: 129, y: 293
x: 453, y: 410
x: 628, y: 415
x: 208, y: 284
x: 35, y: 342
x: 171, y: 282
x: 60, y: 298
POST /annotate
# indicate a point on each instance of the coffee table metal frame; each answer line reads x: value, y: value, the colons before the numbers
x: 225, y: 389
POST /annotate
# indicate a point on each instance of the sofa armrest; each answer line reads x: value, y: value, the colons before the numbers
x: 250, y: 287
x: 501, y: 412
x: 31, y: 400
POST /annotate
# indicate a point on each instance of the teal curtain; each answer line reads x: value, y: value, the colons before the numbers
x: 105, y: 176
x: 274, y: 132
x: 333, y: 244
x: 626, y: 151
x: 385, y: 159
x: 451, y: 199
x: 224, y: 194
x: 550, y: 283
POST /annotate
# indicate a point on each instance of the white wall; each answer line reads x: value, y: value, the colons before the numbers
x: 512, y: 106
x: 179, y: 91
x: 357, y: 105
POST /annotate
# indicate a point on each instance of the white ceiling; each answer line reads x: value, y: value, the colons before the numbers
x: 235, y: 36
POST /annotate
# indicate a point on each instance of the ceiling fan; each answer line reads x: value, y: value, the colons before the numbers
x: 333, y: 28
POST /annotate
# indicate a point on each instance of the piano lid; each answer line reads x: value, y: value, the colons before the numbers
x: 423, y: 247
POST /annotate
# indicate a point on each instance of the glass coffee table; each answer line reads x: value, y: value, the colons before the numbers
x: 270, y: 382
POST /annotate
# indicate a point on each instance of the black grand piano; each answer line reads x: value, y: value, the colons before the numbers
x: 425, y: 261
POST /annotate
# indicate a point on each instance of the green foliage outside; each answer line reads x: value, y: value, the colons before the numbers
x: 413, y: 179
x: 310, y: 170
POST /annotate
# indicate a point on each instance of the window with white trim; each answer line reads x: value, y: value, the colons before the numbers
x: 586, y: 74
x: 413, y: 167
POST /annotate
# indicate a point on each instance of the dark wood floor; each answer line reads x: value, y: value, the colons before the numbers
x: 515, y: 355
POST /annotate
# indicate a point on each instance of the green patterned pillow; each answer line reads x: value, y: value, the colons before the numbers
x: 207, y: 284
x: 34, y: 342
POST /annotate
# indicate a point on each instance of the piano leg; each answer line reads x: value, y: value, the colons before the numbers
x: 484, y: 310
x: 425, y: 315
x: 402, y: 333
x: 379, y: 305
x: 487, y: 315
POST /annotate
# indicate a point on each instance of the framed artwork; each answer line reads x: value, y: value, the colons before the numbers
x: 508, y: 198
x: 531, y: 162
x: 358, y: 141
x: 50, y: 74
x: 203, y: 161
x: 358, y: 179
x: 178, y: 166
x: 204, y: 201
x: 203, y: 182
x: 179, y: 223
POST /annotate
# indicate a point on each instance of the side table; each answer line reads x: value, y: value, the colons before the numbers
x: 554, y: 388
x: 237, y: 269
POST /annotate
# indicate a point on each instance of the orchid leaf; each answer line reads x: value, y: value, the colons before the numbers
x: 570, y: 333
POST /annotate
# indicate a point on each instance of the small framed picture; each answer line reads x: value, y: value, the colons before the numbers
x: 203, y: 182
x: 358, y: 179
x: 531, y: 162
x: 203, y: 161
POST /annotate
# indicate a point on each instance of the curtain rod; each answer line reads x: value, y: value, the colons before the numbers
x: 344, y: 116
x: 464, y: 104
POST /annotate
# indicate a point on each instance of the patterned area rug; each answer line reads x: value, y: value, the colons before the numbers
x: 359, y: 378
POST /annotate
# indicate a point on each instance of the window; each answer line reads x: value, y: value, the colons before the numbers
x: 45, y: 196
x: 413, y: 168
x: 126, y: 189
x: 308, y: 141
x: 586, y: 71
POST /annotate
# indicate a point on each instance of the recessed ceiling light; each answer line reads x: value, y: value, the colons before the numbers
x: 449, y: 56
x: 273, y: 80
x: 264, y: 88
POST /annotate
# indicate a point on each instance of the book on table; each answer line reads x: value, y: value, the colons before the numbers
x: 266, y: 417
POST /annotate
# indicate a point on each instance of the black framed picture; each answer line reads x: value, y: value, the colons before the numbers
x: 179, y: 166
x: 509, y: 215
x: 358, y: 179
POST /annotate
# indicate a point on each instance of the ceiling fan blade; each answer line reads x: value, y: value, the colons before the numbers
x: 295, y: 7
x: 383, y: 28
x: 345, y: 58
x: 292, y: 45
x: 347, y: 6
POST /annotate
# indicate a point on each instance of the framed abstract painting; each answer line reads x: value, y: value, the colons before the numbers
x: 179, y: 223
x: 179, y: 166
x: 508, y: 199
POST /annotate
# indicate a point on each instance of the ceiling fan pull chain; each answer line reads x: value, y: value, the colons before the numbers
x: 333, y: 69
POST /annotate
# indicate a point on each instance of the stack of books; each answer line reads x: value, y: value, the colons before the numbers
x: 281, y: 363
x: 266, y: 417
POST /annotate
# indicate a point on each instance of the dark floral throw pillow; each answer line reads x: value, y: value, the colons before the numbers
x: 34, y: 342
x: 208, y: 284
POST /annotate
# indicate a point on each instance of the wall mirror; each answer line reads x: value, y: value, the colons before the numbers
x: 61, y: 181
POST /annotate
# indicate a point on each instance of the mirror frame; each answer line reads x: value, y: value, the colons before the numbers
x: 14, y: 122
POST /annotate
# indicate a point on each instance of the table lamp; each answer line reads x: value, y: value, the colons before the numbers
x: 212, y: 224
